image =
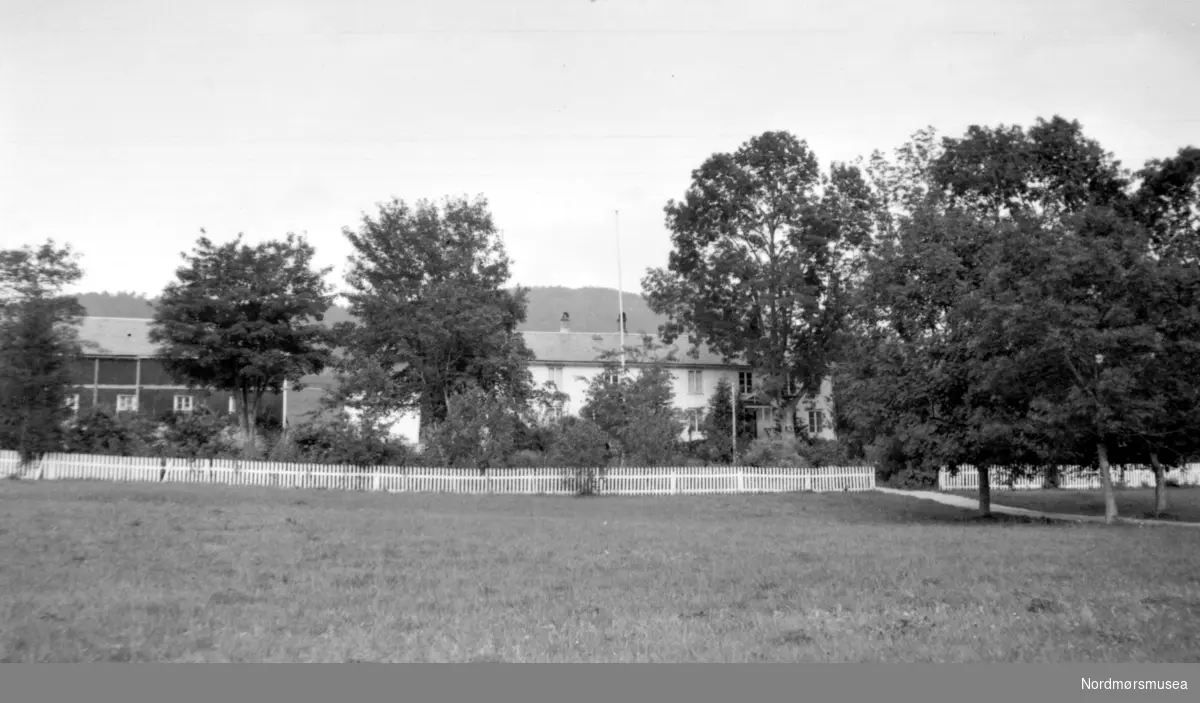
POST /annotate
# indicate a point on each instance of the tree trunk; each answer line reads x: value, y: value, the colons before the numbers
x: 1160, y: 485
x: 23, y: 443
x: 252, y: 426
x: 242, y: 409
x: 985, y: 491
x: 245, y: 422
x: 1110, y: 499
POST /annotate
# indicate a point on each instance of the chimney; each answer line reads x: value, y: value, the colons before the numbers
x: 564, y: 325
x: 623, y: 324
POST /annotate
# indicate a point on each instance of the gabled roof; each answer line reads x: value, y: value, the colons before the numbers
x: 117, y: 336
x: 586, y: 348
x: 126, y: 336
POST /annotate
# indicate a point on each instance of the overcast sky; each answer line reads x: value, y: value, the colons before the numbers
x: 127, y: 126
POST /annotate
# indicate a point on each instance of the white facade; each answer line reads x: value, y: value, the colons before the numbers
x: 693, y: 387
x: 403, y: 425
x: 571, y: 360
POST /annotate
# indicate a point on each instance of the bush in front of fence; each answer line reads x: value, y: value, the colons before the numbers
x: 201, y: 434
x: 774, y: 451
x: 331, y: 437
x: 98, y: 432
x: 579, y: 446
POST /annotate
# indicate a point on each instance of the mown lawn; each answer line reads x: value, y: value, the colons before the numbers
x: 1182, y: 503
x: 110, y: 572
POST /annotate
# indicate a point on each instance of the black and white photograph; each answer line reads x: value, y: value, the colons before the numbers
x: 621, y: 331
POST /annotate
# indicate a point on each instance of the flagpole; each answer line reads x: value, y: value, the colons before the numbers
x: 620, y: 293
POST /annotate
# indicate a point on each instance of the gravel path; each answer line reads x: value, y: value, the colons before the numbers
x: 973, y: 504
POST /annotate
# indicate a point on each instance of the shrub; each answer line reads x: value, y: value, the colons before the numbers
x: 828, y: 452
x: 480, y: 431
x: 894, y: 468
x: 528, y: 459
x: 98, y: 432
x: 202, y: 434
x: 333, y: 438
x: 583, y: 449
x: 774, y: 451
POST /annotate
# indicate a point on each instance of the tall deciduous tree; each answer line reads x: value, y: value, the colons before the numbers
x: 245, y: 319
x: 906, y: 376
x: 1070, y: 312
x: 434, y: 315
x: 925, y: 371
x: 38, y: 341
x: 1167, y: 203
x: 762, y: 241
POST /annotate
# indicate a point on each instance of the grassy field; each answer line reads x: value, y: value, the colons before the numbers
x: 1182, y: 503
x: 110, y: 572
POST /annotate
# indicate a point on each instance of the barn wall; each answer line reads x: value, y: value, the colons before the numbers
x: 153, y: 374
x: 154, y: 402
x: 106, y: 398
x: 83, y: 371
x: 85, y: 396
x: 118, y: 372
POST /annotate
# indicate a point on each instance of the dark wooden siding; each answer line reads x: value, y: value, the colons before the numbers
x: 155, y: 402
x: 158, y: 402
x: 114, y: 372
x: 106, y: 398
x: 153, y: 374
x: 83, y: 371
x: 85, y: 396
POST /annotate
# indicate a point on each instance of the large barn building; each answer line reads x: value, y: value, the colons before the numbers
x: 121, y: 373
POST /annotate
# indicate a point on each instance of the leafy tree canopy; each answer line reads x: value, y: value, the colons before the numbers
x: 427, y: 286
x: 38, y: 341
x: 764, y: 244
x: 244, y: 319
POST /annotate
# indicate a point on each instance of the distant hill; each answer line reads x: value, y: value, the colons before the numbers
x: 591, y: 309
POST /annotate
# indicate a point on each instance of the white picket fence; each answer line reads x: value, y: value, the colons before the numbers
x: 1070, y: 478
x: 688, y: 480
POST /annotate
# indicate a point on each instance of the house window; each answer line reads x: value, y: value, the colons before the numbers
x: 612, y: 377
x: 745, y: 382
x: 72, y: 403
x: 232, y: 406
x: 816, y: 422
x: 127, y: 403
x: 556, y: 376
x: 695, y: 417
x: 183, y: 403
x: 695, y: 382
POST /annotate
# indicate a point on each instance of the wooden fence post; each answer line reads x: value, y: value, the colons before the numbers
x: 741, y: 482
x: 674, y: 481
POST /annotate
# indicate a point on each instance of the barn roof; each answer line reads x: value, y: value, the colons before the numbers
x: 126, y: 336
x: 117, y: 336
